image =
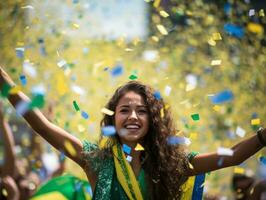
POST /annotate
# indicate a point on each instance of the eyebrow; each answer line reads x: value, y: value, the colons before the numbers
x: 126, y: 105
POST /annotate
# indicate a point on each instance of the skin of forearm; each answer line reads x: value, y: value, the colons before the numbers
x: 9, y: 151
x: 246, y: 149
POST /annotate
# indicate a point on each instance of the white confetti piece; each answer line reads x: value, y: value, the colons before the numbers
x: 216, y: 62
x: 167, y: 90
x: 240, y: 132
x: 225, y: 151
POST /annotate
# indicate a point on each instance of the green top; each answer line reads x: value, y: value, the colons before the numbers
x: 107, y: 185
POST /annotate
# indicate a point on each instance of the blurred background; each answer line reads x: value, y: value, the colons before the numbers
x: 207, y: 59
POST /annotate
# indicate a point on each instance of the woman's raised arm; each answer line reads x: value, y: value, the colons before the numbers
x: 203, y: 163
x: 9, y: 146
x: 56, y: 136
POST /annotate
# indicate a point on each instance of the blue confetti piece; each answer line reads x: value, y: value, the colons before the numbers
x: 263, y: 160
x: 75, y: 1
x: 234, y: 30
x: 157, y: 95
x: 117, y: 71
x: 227, y: 8
x: 23, y: 80
x: 62, y: 157
x: 84, y: 115
x: 108, y: 130
x: 222, y: 97
x: 78, y: 186
x: 43, y: 51
x: 174, y: 140
x: 88, y: 189
x: 126, y: 149
x: 20, y: 52
x: 85, y: 50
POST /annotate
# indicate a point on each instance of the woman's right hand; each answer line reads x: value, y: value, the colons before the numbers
x: 11, y: 187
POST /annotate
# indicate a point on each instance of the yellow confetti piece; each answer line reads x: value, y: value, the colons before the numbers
x: 216, y: 108
x: 255, y: 122
x: 261, y: 13
x: 190, y: 166
x: 4, y: 192
x: 128, y: 49
x: 239, y: 170
x: 211, y: 42
x: 76, y: 26
x: 166, y: 106
x: 61, y: 86
x: 139, y: 148
x: 155, y: 38
x: 156, y: 3
x: 216, y: 62
x: 255, y: 28
x: 15, y: 89
x: 70, y: 149
x: 164, y: 14
x: 162, y: 29
x: 162, y: 113
x: 193, y: 136
x: 107, y: 111
x: 81, y: 128
x: 216, y: 36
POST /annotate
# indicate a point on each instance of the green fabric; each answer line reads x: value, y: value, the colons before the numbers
x: 107, y: 185
x: 70, y: 186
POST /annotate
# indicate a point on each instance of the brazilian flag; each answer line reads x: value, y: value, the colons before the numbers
x: 66, y: 187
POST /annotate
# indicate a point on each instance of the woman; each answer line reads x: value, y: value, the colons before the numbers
x: 140, y: 119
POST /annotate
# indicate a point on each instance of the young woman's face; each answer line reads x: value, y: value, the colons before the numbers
x: 131, y: 118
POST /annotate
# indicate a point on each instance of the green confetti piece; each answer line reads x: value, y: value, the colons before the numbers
x: 37, y: 102
x: 5, y: 90
x: 195, y: 117
x: 133, y: 77
x: 76, y: 106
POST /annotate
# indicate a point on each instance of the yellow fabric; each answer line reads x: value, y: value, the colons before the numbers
x: 50, y: 196
x: 122, y: 179
x: 187, y: 188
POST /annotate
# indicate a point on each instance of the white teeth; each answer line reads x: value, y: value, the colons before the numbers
x: 132, y: 126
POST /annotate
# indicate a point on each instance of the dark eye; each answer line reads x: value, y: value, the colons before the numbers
x: 142, y: 111
x: 124, y: 110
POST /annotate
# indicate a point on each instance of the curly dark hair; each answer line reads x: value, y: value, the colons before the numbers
x: 165, y: 165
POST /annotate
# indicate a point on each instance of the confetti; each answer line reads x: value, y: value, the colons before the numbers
x: 27, y: 7
x: 216, y: 36
x: 167, y: 90
x: 5, y: 90
x: 117, y: 71
x: 261, y: 13
x: 225, y: 151
x: 70, y: 149
x: 23, y: 80
x: 255, y: 122
x: 164, y: 14
x: 20, y: 52
x: 15, y: 90
x: 263, y: 160
x: 251, y: 12
x: 216, y: 62
x: 157, y: 95
x: 133, y: 77
x: 76, y: 106
x: 156, y: 3
x: 162, y: 113
x: 239, y: 170
x: 37, y: 101
x: 255, y: 28
x: 240, y: 132
x: 107, y: 111
x: 176, y: 140
x: 61, y: 63
x: 234, y: 30
x: 222, y: 97
x: 29, y: 69
x: 129, y: 158
x: 139, y: 147
x: 220, y: 162
x: 84, y: 115
x: 195, y: 117
x: 162, y: 29
x: 126, y: 148
x: 108, y: 130
x: 22, y: 107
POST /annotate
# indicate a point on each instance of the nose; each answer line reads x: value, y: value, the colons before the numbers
x: 133, y: 115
